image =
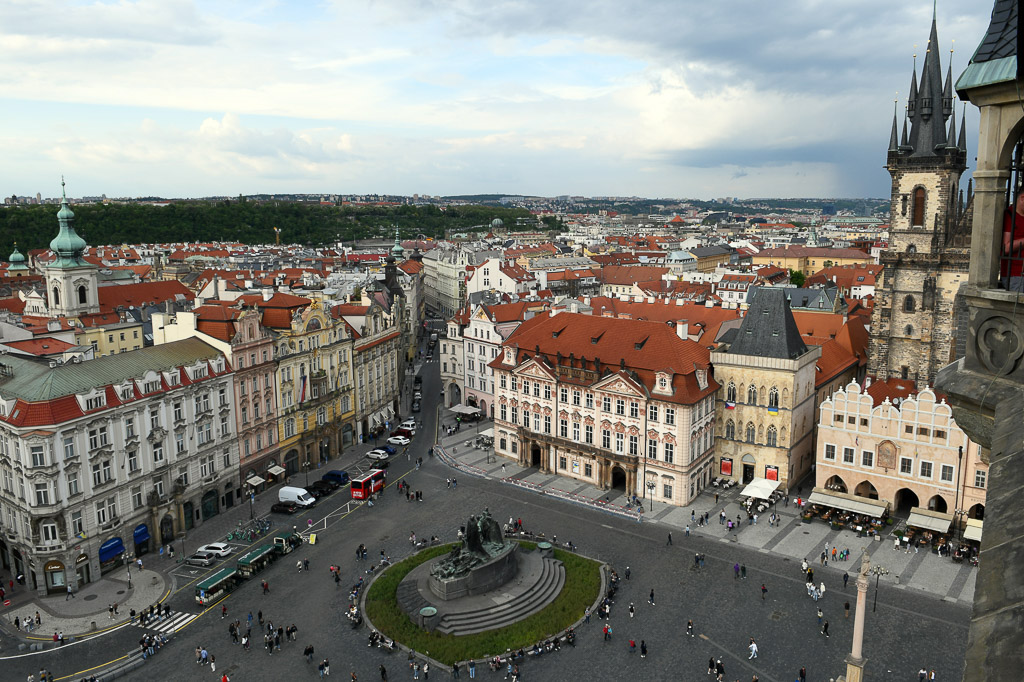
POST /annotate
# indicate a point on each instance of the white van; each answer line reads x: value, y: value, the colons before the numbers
x: 297, y: 496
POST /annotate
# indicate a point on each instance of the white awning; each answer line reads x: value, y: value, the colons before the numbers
x: 254, y: 480
x: 929, y: 520
x: 465, y: 409
x: 761, y: 488
x: 846, y: 502
x: 973, y: 530
x: 275, y: 470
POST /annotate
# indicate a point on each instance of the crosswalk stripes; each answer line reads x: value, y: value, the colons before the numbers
x: 169, y: 626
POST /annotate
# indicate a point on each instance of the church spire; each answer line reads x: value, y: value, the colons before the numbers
x: 951, y: 138
x: 930, y: 103
x: 67, y: 245
x: 893, y: 139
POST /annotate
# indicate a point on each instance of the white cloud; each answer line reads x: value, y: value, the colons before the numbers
x: 453, y: 96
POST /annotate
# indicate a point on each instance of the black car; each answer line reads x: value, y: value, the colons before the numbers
x: 283, y: 508
x: 322, y: 487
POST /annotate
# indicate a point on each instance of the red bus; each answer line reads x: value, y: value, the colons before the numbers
x: 368, y: 484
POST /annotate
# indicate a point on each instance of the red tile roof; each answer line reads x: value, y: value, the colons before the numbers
x: 644, y: 347
x: 143, y: 293
x: 40, y: 346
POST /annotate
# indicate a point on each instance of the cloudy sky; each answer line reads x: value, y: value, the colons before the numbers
x: 672, y: 98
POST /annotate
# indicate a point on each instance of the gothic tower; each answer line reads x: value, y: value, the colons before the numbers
x: 71, y: 281
x: 913, y: 331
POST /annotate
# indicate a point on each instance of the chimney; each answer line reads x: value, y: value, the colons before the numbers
x: 682, y: 329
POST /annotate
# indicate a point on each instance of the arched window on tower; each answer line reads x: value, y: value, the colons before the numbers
x: 83, y: 296
x: 56, y: 296
x: 918, y: 215
x: 909, y: 304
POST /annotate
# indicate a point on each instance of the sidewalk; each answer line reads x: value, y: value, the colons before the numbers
x: 791, y: 537
x: 87, y: 612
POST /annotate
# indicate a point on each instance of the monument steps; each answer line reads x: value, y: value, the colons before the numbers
x: 490, y: 617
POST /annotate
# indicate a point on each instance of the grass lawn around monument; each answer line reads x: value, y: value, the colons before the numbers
x: 582, y: 584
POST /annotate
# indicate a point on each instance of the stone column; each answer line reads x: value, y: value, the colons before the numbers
x: 855, y: 661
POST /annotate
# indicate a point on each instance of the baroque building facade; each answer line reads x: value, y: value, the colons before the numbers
x: 621, y: 404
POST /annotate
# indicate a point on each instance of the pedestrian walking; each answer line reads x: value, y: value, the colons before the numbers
x: 824, y: 630
x: 846, y: 608
x: 651, y: 598
x: 764, y: 591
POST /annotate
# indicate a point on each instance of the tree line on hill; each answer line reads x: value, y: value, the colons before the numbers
x: 248, y: 222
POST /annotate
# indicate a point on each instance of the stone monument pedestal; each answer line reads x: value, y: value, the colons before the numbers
x: 488, y: 576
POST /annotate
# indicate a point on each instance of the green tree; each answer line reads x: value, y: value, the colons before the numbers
x: 796, y: 278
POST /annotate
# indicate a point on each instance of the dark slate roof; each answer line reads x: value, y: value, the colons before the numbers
x: 768, y: 330
x: 1001, y: 38
x: 995, y: 59
x: 799, y: 297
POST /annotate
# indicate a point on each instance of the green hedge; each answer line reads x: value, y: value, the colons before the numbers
x: 582, y: 585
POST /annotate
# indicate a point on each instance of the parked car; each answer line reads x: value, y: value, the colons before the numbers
x: 283, y: 508
x: 331, y: 482
x: 388, y: 448
x: 336, y: 475
x: 201, y: 559
x: 216, y: 548
x: 399, y: 440
x: 377, y: 454
x: 322, y: 487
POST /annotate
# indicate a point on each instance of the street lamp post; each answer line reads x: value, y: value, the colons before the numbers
x: 878, y: 572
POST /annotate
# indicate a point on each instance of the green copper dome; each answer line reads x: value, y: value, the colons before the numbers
x: 397, y: 251
x: 16, y: 261
x: 67, y: 244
